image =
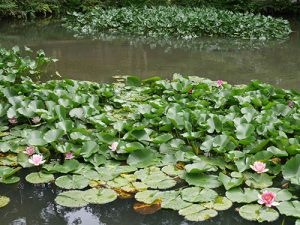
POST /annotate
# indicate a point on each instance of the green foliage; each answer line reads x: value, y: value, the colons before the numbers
x: 176, y: 148
x: 180, y: 22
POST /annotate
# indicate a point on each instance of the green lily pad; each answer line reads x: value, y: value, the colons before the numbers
x: 202, y: 215
x: 39, y: 178
x: 202, y: 180
x: 219, y: 204
x: 71, y: 199
x: 72, y: 182
x: 242, y: 196
x: 100, y: 196
x: 4, y: 201
x: 197, y: 194
x: 230, y: 182
x: 291, y: 208
x: 148, y: 196
x: 291, y: 170
x: 255, y: 212
x: 259, y: 181
x: 194, y: 208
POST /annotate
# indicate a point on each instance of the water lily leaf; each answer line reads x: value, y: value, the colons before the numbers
x: 72, y: 182
x: 172, y: 200
x: 230, y: 182
x: 141, y: 158
x: 202, y: 180
x: 220, y: 203
x: 36, y: 138
x: 173, y: 171
x: 297, y: 222
x: 67, y: 167
x: 277, y: 152
x: 197, y: 194
x: 71, y: 199
x: 194, y: 208
x: 39, y: 178
x: 53, y: 135
x: 162, y: 138
x: 4, y: 201
x: 259, y: 181
x: 202, y: 215
x: 9, y: 180
x: 255, y: 212
x: 89, y: 148
x: 99, y: 196
x: 23, y: 160
x: 65, y: 125
x: 146, y: 209
x: 149, y: 196
x: 291, y: 170
x: 199, y: 167
x: 242, y: 196
x: 133, y: 146
x: 244, y: 131
x: 291, y: 208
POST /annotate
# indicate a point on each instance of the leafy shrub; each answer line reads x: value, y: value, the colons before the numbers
x: 178, y: 22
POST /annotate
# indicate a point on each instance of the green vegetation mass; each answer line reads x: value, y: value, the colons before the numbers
x: 171, y: 144
x: 178, y: 22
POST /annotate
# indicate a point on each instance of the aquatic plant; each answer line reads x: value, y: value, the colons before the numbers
x: 156, y: 141
x: 172, y: 21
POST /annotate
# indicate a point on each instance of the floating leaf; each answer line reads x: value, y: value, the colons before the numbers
x: 197, y: 194
x: 230, y: 182
x: 242, y: 196
x: 72, y: 182
x: 4, y: 201
x: 220, y: 203
x: 202, y: 215
x: 291, y: 170
x: 39, y: 178
x: 148, y: 197
x: 202, y: 180
x: 71, y: 199
x: 99, y: 196
x: 255, y: 212
x: 291, y: 208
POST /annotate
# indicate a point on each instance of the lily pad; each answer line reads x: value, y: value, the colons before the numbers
x: 71, y: 199
x: 291, y: 170
x: 72, y: 182
x: 202, y: 215
x: 4, y: 201
x: 202, y: 180
x: 39, y: 178
x: 242, y: 196
x: 255, y: 212
x: 291, y: 208
x: 99, y: 196
x: 197, y: 194
x: 220, y: 204
x: 149, y: 196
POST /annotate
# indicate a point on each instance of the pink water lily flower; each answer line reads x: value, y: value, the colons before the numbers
x: 13, y: 120
x: 30, y: 150
x: 36, y: 119
x: 259, y: 167
x: 219, y: 83
x: 114, y: 146
x: 36, y: 160
x: 268, y: 198
x: 69, y: 155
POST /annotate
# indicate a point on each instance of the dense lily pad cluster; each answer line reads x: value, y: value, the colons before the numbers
x: 188, y: 144
x: 173, y: 21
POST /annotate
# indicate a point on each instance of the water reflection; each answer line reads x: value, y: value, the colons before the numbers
x: 34, y: 205
x: 98, y: 60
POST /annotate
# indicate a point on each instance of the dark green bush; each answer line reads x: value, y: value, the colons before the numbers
x: 32, y: 8
x: 182, y: 22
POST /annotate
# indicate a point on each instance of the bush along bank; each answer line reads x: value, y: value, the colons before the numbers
x: 178, y: 22
x: 188, y: 144
x: 43, y: 8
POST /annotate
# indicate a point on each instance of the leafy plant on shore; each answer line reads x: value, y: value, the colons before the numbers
x: 172, y: 144
x: 180, y: 22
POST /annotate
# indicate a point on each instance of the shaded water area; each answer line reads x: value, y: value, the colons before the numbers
x: 98, y: 60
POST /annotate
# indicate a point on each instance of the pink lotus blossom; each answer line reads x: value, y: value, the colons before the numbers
x: 30, y: 150
x: 259, y: 167
x: 291, y: 104
x: 268, y: 198
x: 13, y: 120
x: 219, y: 83
x: 36, y: 160
x: 191, y: 91
x: 36, y: 119
x: 114, y: 146
x: 69, y: 155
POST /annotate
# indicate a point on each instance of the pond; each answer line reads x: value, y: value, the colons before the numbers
x: 98, y: 60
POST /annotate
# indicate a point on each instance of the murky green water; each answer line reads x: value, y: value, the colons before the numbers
x: 98, y: 60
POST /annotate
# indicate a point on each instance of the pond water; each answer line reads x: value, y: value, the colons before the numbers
x: 98, y: 60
